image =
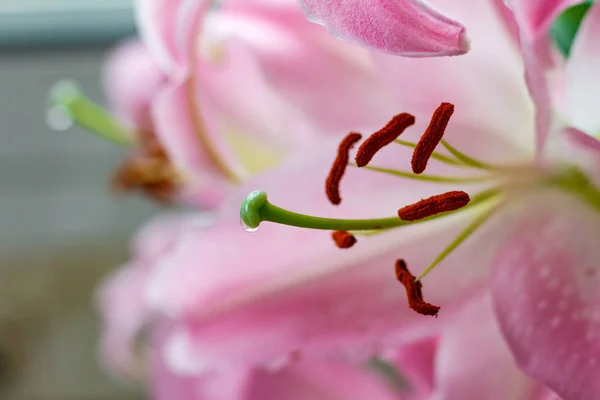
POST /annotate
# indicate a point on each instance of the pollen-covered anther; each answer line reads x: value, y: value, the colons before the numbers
x: 432, y: 136
x: 150, y: 172
x: 343, y: 239
x: 413, y: 291
x: 445, y: 202
x: 332, y: 184
x: 383, y: 137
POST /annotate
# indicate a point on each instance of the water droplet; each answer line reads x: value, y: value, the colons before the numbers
x: 246, y: 227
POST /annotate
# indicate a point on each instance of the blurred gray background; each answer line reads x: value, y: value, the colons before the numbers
x: 61, y: 231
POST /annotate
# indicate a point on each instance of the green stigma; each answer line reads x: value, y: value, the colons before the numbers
x: 250, y: 211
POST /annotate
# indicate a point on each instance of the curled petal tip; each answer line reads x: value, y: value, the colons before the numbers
x: 250, y: 210
x: 464, y: 43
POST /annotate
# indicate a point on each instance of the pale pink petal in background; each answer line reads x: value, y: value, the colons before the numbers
x: 131, y: 81
x: 582, y: 78
x: 157, y: 25
x: 400, y: 27
x: 536, y: 16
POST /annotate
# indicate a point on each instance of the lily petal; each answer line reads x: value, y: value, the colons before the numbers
x: 582, y: 80
x: 404, y: 27
x: 545, y: 293
x: 131, y: 80
x: 121, y: 300
x: 174, y: 114
x: 121, y: 304
x: 332, y: 82
x: 474, y: 362
x: 156, y: 21
x: 322, y: 381
x: 537, y: 15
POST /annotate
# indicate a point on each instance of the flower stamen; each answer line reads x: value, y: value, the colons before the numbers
x: 332, y: 184
x: 431, y: 137
x: 445, y: 202
x: 343, y: 239
x: 383, y: 137
x: 414, y: 291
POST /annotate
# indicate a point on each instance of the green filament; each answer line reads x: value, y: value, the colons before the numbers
x: 468, y: 160
x: 435, y: 155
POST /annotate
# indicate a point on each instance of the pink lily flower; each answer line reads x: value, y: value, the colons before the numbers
x: 410, y: 28
x: 241, y: 80
x: 285, y: 294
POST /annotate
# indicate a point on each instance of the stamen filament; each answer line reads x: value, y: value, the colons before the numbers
x: 90, y: 116
x: 468, y: 160
x: 256, y: 209
x: 427, y: 178
x: 435, y: 155
x: 472, y: 227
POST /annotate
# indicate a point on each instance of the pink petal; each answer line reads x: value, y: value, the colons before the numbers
x: 259, y: 298
x: 474, y: 362
x: 173, y: 116
x: 160, y: 234
x: 583, y: 140
x: 157, y: 21
x: 239, y: 89
x: 582, y: 81
x: 121, y: 303
x: 536, y: 84
x: 330, y: 81
x: 406, y: 27
x: 131, y: 80
x: 416, y: 363
x: 320, y: 382
x: 121, y: 298
x: 545, y: 292
x: 494, y: 114
x: 537, y: 15
x: 170, y: 384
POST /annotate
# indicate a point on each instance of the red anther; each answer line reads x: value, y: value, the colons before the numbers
x: 383, y: 137
x: 343, y: 239
x: 413, y: 291
x: 332, y: 184
x: 431, y: 137
x: 449, y: 201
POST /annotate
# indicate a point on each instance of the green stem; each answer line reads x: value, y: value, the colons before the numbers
x: 91, y: 116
